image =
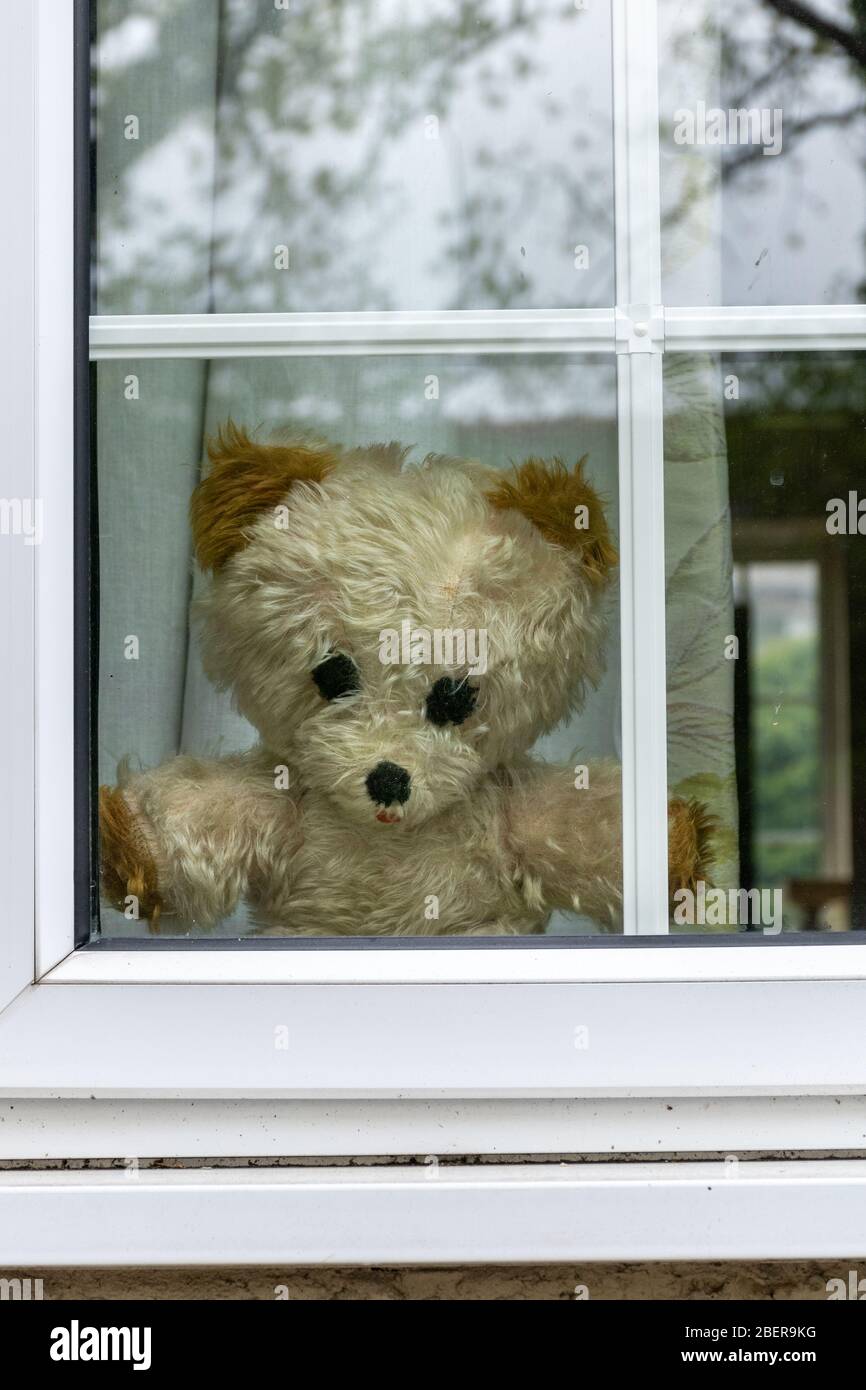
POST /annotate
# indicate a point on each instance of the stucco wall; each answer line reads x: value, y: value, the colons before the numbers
x: 616, y: 1281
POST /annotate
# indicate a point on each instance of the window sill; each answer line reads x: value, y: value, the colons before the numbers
x: 611, y: 960
x: 365, y: 1040
x: 435, y: 1214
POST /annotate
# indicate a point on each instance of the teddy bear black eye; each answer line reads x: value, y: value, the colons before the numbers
x: 451, y: 701
x: 337, y: 676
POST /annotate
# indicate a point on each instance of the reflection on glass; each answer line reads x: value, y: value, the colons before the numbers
x: 155, y: 700
x: 352, y: 155
x: 763, y: 120
x: 780, y: 611
x: 765, y: 718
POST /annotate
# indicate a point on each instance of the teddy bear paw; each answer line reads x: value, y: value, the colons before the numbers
x: 128, y: 870
x: 690, y: 843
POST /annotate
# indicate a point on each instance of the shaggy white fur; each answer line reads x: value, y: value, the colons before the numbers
x: 487, y: 841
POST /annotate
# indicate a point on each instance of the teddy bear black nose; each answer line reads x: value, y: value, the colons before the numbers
x: 388, y: 783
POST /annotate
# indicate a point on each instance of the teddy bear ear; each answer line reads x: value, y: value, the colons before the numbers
x: 564, y: 507
x: 245, y: 480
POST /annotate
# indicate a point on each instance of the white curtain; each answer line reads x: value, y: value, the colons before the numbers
x: 699, y: 592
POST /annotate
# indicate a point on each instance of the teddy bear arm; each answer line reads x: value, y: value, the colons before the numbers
x: 565, y: 842
x: 187, y: 839
x: 566, y: 839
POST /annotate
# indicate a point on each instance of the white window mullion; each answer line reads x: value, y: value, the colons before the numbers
x: 641, y: 479
x: 766, y: 328
x: 797, y: 327
x: 636, y: 153
x: 353, y: 334
x: 644, y: 692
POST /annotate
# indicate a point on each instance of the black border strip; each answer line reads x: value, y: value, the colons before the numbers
x: 85, y: 521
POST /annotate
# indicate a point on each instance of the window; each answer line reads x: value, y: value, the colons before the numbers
x: 431, y: 195
x: 154, y: 700
x: 602, y: 258
x: 780, y: 647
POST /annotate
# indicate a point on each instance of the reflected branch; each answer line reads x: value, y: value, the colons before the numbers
x: 846, y: 39
x: 751, y: 154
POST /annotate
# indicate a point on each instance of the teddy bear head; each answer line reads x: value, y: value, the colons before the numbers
x: 395, y: 631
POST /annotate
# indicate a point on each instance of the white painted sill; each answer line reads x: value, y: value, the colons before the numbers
x: 520, y: 1213
x: 671, y: 961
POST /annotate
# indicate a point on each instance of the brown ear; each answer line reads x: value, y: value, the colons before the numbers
x: 245, y: 480
x: 564, y: 508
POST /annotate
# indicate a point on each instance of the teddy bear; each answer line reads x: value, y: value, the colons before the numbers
x: 399, y: 635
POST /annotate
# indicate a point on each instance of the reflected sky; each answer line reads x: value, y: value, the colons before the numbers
x: 777, y: 229
x: 377, y: 154
x: 405, y: 156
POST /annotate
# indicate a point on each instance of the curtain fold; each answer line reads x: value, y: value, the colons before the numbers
x: 699, y: 590
x: 155, y: 164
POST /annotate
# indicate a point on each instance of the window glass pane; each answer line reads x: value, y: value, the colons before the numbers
x: 328, y: 589
x: 352, y: 155
x: 764, y: 468
x: 763, y: 120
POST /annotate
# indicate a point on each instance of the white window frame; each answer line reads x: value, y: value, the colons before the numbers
x: 719, y: 1048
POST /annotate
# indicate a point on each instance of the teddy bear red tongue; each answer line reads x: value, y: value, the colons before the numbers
x: 387, y: 817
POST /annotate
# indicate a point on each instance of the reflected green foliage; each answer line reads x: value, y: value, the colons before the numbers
x: 777, y: 863
x: 786, y: 767
x: 785, y: 672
